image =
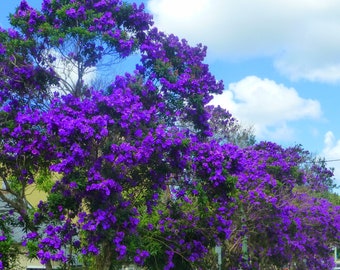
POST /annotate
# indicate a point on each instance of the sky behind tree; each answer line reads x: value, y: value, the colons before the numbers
x: 279, y: 62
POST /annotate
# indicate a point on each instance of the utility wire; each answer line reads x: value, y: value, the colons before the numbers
x: 332, y: 160
x: 321, y: 160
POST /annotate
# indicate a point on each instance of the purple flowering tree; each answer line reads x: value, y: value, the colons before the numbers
x: 111, y: 150
x: 274, y: 221
x: 133, y: 171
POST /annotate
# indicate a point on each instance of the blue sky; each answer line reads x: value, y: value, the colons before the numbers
x: 279, y: 61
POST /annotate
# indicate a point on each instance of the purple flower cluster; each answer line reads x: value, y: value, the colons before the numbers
x: 185, y: 79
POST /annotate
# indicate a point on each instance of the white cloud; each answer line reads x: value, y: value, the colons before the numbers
x: 301, y: 36
x: 331, y: 152
x: 329, y: 73
x: 268, y: 106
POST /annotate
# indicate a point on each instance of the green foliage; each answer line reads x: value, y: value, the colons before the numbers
x: 9, y: 249
x: 32, y: 247
x: 44, y: 180
x: 334, y: 198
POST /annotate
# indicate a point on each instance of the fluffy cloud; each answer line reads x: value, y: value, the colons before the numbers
x: 268, y: 106
x: 301, y: 36
x: 331, y: 152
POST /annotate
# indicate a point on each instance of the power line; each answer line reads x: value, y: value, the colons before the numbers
x: 332, y: 160
x: 322, y: 160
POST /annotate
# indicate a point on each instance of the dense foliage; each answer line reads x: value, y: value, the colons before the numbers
x: 144, y: 170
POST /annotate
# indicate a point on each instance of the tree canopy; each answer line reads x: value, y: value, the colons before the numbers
x: 144, y: 170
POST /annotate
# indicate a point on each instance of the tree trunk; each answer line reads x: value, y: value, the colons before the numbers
x: 104, y: 259
x: 48, y: 265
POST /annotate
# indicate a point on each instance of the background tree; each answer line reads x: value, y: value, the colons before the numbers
x: 227, y: 129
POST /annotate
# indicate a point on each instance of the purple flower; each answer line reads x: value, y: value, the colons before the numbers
x: 2, y: 49
x: 93, y: 249
x: 81, y: 12
x: 141, y: 256
x: 73, y: 185
x: 12, y: 33
x: 121, y: 249
x: 32, y: 235
x: 71, y: 13
x: 138, y: 133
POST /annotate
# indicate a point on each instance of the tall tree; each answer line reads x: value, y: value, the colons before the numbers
x: 104, y: 144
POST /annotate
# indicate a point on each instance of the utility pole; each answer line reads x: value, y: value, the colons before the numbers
x: 218, y: 250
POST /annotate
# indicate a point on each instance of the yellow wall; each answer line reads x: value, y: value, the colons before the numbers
x: 34, y: 196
